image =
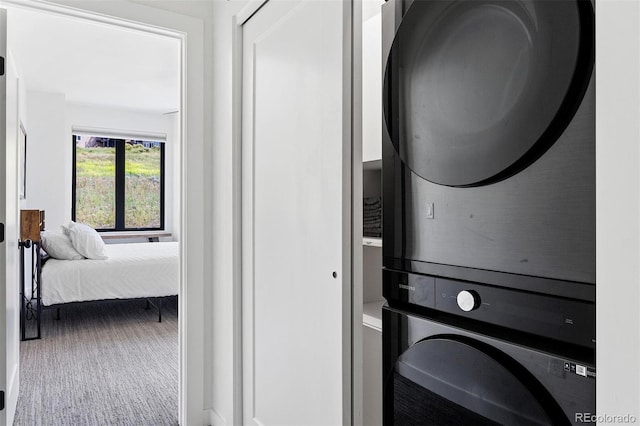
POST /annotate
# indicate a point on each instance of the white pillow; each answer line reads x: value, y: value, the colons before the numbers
x: 65, y: 228
x: 59, y: 246
x: 87, y: 241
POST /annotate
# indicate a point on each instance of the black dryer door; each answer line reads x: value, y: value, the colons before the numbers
x: 450, y: 380
x: 477, y: 90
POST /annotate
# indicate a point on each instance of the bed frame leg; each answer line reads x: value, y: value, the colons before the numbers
x: 157, y: 303
x: 58, y: 314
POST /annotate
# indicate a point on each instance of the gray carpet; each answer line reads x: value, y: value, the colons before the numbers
x: 106, y: 363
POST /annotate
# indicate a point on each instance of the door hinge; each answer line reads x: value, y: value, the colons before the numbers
x: 1, y: 232
x: 1, y: 65
x: 1, y: 400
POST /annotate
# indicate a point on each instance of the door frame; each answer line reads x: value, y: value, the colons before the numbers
x: 192, y: 216
x: 238, y: 22
x: 9, y: 124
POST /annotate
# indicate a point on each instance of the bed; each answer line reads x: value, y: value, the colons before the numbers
x: 74, y: 265
x: 134, y: 270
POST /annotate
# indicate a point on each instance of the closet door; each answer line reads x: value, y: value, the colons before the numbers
x: 296, y: 215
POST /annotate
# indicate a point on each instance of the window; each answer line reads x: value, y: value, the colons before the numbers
x: 118, y: 184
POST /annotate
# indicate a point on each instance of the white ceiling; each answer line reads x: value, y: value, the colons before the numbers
x: 94, y: 63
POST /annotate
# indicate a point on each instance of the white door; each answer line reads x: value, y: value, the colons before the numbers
x: 296, y: 214
x: 9, y: 292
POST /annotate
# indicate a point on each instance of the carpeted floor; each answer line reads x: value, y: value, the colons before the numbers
x: 105, y: 363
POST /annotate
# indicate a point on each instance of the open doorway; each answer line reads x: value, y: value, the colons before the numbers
x: 100, y: 83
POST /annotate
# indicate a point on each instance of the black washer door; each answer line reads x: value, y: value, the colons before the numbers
x: 451, y: 380
x: 476, y: 90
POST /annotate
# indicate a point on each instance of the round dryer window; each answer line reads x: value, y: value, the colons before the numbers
x: 477, y: 90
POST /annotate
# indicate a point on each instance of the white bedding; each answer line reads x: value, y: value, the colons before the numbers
x: 131, y: 271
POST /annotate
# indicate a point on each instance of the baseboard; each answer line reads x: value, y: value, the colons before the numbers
x: 216, y: 419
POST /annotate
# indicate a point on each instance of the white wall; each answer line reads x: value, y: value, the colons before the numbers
x: 49, y: 151
x: 48, y: 157
x: 22, y: 88
x: 618, y: 208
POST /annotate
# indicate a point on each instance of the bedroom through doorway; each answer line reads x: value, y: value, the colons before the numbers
x: 101, y: 106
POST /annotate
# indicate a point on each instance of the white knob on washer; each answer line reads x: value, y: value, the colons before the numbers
x: 468, y: 300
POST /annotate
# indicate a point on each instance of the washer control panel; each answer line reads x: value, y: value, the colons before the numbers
x: 568, y: 320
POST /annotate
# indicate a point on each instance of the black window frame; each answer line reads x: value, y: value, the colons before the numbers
x: 120, y: 185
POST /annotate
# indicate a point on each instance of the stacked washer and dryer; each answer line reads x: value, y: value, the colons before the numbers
x: 489, y: 212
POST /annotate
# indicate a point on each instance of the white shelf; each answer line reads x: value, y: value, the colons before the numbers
x: 372, y: 314
x: 371, y: 241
